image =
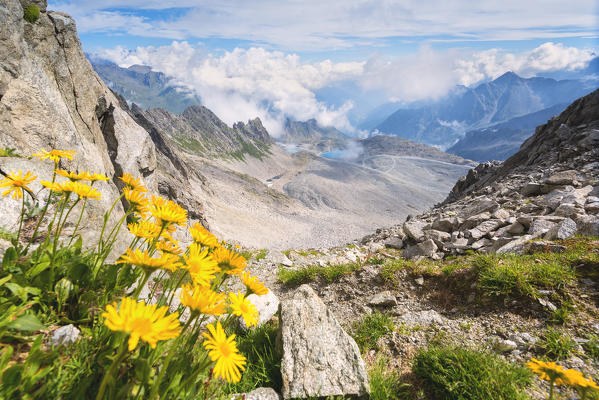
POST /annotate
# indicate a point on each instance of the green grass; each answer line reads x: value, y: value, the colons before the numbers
x: 371, y: 328
x: 261, y: 254
x: 521, y: 275
x: 263, y: 368
x: 386, y: 384
x: 330, y: 273
x: 562, y: 315
x: 556, y: 345
x: 455, y: 373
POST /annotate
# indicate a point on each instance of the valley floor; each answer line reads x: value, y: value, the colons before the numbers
x: 302, y: 200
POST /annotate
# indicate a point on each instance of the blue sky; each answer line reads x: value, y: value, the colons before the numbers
x: 248, y: 54
x: 334, y: 29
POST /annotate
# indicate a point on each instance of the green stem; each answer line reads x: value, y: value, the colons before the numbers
x: 78, y: 221
x: 142, y: 284
x: 21, y: 220
x: 106, y: 218
x: 61, y: 227
x: 174, y: 289
x: 115, y: 363
x: 551, y: 390
x: 41, y: 218
x: 173, y: 349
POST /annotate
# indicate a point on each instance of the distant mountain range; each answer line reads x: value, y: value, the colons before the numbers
x: 446, y: 121
x: 500, y: 141
x: 197, y: 130
x: 140, y: 85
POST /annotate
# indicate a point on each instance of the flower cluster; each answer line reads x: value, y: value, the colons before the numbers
x: 558, y: 375
x: 195, y: 273
x: 200, y: 271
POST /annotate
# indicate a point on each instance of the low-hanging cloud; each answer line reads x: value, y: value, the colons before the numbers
x: 245, y: 83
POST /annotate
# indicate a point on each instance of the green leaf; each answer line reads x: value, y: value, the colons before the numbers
x: 37, y: 269
x: 80, y: 273
x: 12, y: 376
x: 5, y: 357
x: 5, y: 279
x: 10, y: 257
x: 26, y: 323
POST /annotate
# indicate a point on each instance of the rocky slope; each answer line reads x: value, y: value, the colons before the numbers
x: 312, y: 136
x: 198, y: 130
x: 548, y: 189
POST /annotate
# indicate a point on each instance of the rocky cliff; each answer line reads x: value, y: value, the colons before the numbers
x: 549, y: 189
x: 197, y: 130
x: 50, y: 97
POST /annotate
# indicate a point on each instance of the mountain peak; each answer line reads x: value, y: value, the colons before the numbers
x: 507, y: 77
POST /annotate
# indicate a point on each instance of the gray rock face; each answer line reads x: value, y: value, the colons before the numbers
x: 267, y: 306
x: 484, y: 228
x: 394, y: 243
x: 383, y: 299
x: 319, y: 358
x: 562, y: 230
x: 562, y: 178
x: 540, y: 226
x: 262, y: 393
x: 65, y: 335
x: 278, y: 258
x: 424, y: 249
x: 414, y: 229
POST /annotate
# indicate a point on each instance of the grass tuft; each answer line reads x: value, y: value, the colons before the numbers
x: 263, y: 367
x: 371, y: 328
x: 330, y: 273
x: 556, y: 345
x: 521, y: 275
x: 455, y: 373
x: 386, y: 384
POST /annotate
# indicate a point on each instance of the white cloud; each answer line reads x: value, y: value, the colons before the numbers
x: 547, y: 57
x: 336, y: 24
x: 243, y: 84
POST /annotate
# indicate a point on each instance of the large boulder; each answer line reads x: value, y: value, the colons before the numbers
x: 319, y: 358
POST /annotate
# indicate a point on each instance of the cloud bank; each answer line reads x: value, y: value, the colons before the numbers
x: 336, y: 24
x: 245, y: 83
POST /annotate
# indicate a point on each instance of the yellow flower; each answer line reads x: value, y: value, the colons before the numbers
x: 74, y: 176
x: 53, y: 186
x: 169, y: 247
x: 141, y: 321
x: 229, y: 261
x: 145, y: 261
x: 158, y: 201
x: 548, y: 371
x: 144, y: 229
x: 202, y: 236
x: 97, y: 177
x: 132, y: 183
x: 171, y: 262
x: 169, y: 213
x: 252, y: 284
x: 242, y: 307
x: 223, y: 350
x: 83, y: 190
x: 137, y: 200
x: 16, y: 182
x: 202, y: 299
x: 55, y: 155
x: 201, y: 266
